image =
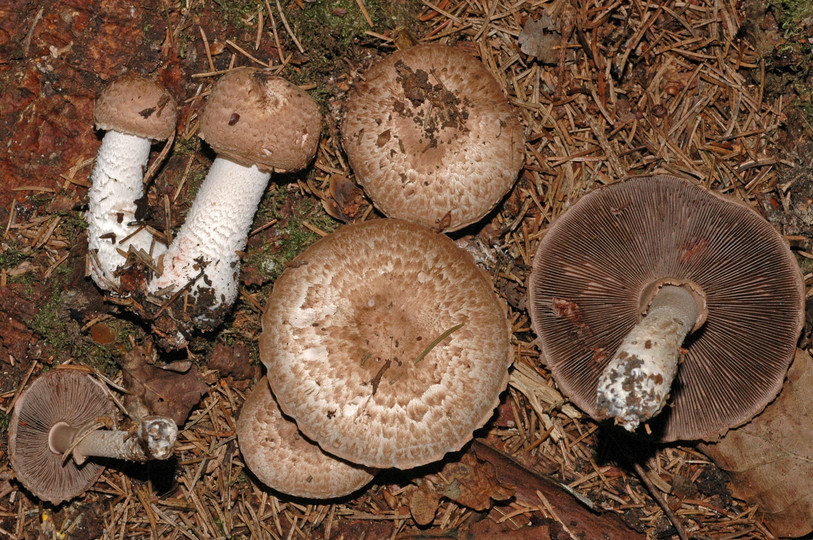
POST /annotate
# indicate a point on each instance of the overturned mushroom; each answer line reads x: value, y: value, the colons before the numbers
x: 431, y: 137
x: 386, y: 344
x: 257, y: 123
x: 54, y: 434
x: 277, y: 453
x: 134, y: 112
x: 628, y: 272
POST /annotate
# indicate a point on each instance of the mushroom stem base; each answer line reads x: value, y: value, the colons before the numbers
x: 636, y: 383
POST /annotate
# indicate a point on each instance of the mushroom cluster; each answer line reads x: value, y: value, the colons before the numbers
x: 657, y: 301
x: 385, y: 344
x: 56, y: 438
x: 431, y: 137
x: 257, y: 123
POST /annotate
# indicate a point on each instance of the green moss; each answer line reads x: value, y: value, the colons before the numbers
x: 240, y: 13
x: 48, y: 323
x: 791, y: 62
x: 328, y: 29
x: 793, y: 16
x: 97, y: 356
x: 291, y: 235
x: 186, y: 147
x: 193, y: 181
x: 341, y: 20
x: 64, y: 339
x: 104, y: 357
x: 73, y: 224
x: 11, y: 254
x: 27, y: 279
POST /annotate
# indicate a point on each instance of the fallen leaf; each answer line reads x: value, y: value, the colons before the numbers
x: 250, y: 275
x: 233, y: 363
x: 770, y: 459
x: 473, y: 483
x: 469, y: 482
x: 346, y: 200
x: 178, y: 366
x: 165, y: 392
x: 541, y: 39
x: 423, y: 505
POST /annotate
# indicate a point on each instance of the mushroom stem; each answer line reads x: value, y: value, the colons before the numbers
x: 204, y: 255
x: 153, y: 439
x: 635, y: 384
x: 116, y: 185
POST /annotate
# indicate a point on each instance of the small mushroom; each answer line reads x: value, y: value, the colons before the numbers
x: 431, y: 137
x: 283, y: 459
x: 134, y: 112
x: 656, y: 294
x: 257, y: 123
x: 54, y: 434
x: 386, y: 344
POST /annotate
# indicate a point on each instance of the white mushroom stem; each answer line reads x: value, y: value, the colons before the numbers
x: 116, y: 185
x: 204, y: 255
x: 153, y: 439
x: 635, y: 384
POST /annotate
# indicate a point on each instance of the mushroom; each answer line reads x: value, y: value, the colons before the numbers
x: 654, y: 293
x: 277, y: 453
x: 134, y: 112
x: 431, y: 137
x: 257, y: 123
x: 54, y: 430
x: 386, y: 344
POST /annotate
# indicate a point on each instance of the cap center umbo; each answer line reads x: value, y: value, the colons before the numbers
x: 391, y: 337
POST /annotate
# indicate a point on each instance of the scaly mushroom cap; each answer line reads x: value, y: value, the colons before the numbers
x: 136, y: 106
x: 386, y: 344
x: 255, y: 118
x: 278, y: 454
x: 593, y: 276
x: 61, y: 395
x: 431, y: 137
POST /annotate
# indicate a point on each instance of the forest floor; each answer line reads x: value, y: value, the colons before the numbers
x: 715, y: 91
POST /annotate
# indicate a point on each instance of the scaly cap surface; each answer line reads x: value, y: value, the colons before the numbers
x: 386, y: 344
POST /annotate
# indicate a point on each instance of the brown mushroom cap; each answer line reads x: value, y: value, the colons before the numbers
x: 278, y: 454
x: 592, y: 277
x: 255, y: 118
x: 61, y: 395
x: 431, y: 137
x: 364, y: 346
x: 136, y: 106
